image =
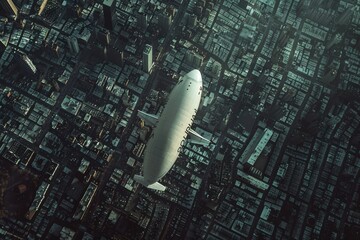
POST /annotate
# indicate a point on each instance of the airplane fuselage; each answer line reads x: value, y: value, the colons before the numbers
x: 173, y: 127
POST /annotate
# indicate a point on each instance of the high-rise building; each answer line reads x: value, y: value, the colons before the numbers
x: 25, y: 63
x: 346, y: 17
x: 115, y: 55
x: 192, y: 20
x: 164, y: 21
x: 194, y: 59
x: 109, y: 14
x: 9, y: 7
x: 329, y: 76
x: 103, y: 37
x: 171, y: 11
x: 254, y: 153
x: 333, y: 41
x: 142, y: 21
x: 73, y: 44
x: 198, y: 10
x: 147, y: 58
x: 2, y: 48
x: 99, y: 52
x: 216, y: 68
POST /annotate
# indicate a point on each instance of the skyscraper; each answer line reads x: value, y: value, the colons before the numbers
x: 192, y: 20
x: 147, y: 58
x: 333, y: 41
x: 109, y: 14
x: 329, y: 76
x: 25, y: 63
x: 73, y: 44
x: 142, y: 21
x: 193, y: 59
x: 9, y: 7
x: 2, y: 48
x: 103, y: 37
x: 115, y: 55
x: 164, y: 21
x: 346, y: 17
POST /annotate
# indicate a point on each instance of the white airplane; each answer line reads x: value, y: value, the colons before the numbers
x: 172, y: 128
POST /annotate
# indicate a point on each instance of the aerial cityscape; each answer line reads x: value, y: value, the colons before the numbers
x: 182, y: 119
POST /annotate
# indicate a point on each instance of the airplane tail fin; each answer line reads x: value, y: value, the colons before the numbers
x: 155, y: 186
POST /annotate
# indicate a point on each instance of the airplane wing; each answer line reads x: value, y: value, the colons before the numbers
x: 148, y: 118
x: 156, y: 186
x: 197, y: 138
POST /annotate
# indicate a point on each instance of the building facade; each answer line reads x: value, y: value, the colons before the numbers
x: 73, y: 44
x: 9, y: 7
x: 109, y: 14
x: 147, y: 58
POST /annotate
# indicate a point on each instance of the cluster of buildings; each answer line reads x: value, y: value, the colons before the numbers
x: 280, y: 104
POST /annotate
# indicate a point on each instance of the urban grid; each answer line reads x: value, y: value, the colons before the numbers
x: 280, y: 106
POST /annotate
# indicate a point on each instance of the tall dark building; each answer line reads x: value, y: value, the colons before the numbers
x: 142, y: 21
x: 114, y: 55
x: 164, y: 20
x: 346, y: 17
x: 73, y: 44
x: 2, y: 48
x: 109, y: 13
x: 9, y: 7
x: 25, y: 63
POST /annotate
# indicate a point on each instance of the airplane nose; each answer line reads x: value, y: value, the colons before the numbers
x: 195, y: 75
